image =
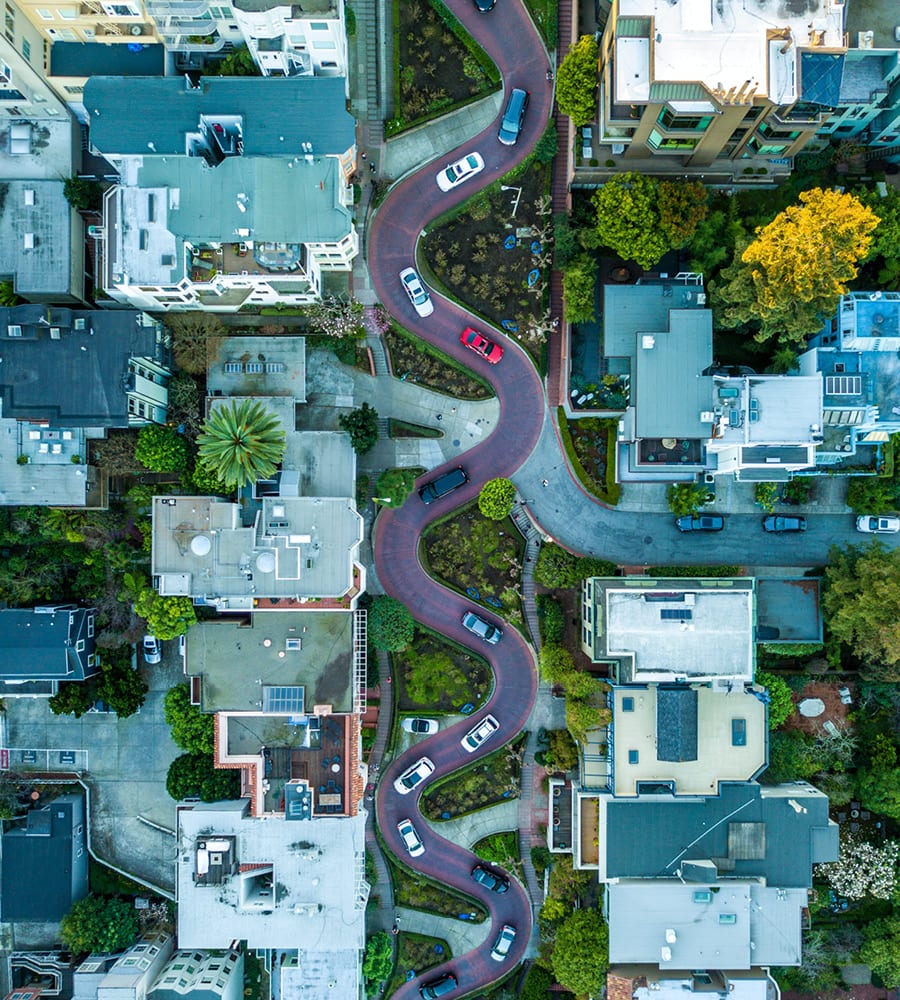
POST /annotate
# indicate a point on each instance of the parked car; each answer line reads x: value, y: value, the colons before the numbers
x: 481, y: 628
x: 783, y: 522
x: 454, y: 174
x: 417, y: 292
x: 182, y: 649
x: 490, y: 880
x: 443, y: 485
x: 413, y: 776
x: 513, y: 117
x: 503, y: 943
x: 152, y: 649
x: 438, y: 987
x: 877, y: 525
x: 480, y: 733
x: 478, y: 343
x: 420, y: 727
x: 410, y: 838
x: 700, y: 522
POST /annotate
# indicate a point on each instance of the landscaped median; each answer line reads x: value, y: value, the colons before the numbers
x: 590, y: 444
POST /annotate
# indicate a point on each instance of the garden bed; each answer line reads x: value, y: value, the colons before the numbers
x: 480, y: 558
x: 591, y: 445
x: 425, y: 365
x: 452, y: 676
x: 402, y: 429
x: 416, y: 953
x: 419, y: 893
x: 484, y: 783
x: 503, y: 850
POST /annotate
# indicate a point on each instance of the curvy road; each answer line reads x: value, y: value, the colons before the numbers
x: 509, y: 37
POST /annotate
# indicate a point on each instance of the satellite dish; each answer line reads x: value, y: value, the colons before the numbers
x: 265, y: 562
x: 200, y: 545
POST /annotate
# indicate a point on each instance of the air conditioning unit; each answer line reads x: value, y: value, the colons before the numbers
x: 294, y: 645
x: 707, y: 417
x: 709, y: 477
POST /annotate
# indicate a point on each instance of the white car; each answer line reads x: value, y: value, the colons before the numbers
x: 413, y: 776
x: 152, y: 649
x: 419, y: 726
x: 417, y: 292
x: 410, y: 838
x: 878, y: 525
x: 481, y: 628
x: 503, y: 943
x: 480, y: 733
x: 454, y: 175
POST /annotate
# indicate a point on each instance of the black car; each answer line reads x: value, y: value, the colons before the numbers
x: 700, y: 522
x: 485, y: 5
x: 439, y: 987
x: 782, y: 522
x: 443, y: 485
x: 490, y: 880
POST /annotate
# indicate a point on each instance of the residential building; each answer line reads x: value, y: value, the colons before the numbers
x: 45, y: 861
x: 67, y: 377
x: 45, y: 645
x: 211, y: 975
x: 275, y: 885
x: 25, y: 92
x: 122, y: 22
x: 235, y: 190
x: 259, y: 366
x: 647, y: 982
x: 126, y: 975
x: 668, y: 107
x: 72, y: 64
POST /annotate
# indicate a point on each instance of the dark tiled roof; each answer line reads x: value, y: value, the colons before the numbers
x: 820, y: 78
x: 94, y: 58
x: 676, y: 723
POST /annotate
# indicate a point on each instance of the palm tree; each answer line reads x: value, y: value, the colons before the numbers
x: 241, y: 442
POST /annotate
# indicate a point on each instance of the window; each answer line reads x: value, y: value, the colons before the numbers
x: 765, y: 149
x: 67, y: 13
x: 628, y: 704
x: 324, y: 45
x: 79, y: 646
x: 68, y: 35
x: 44, y: 14
x: 120, y: 10
x: 770, y: 132
x: 658, y: 141
x: 632, y: 756
x: 90, y: 625
x: 684, y: 123
x: 319, y: 25
x: 74, y: 90
x: 26, y: 49
x: 753, y: 114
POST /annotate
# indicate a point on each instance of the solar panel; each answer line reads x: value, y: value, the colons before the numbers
x: 676, y: 614
x: 254, y: 367
x: 283, y: 700
x: 843, y: 385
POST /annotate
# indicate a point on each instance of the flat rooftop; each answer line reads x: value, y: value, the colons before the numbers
x: 726, y: 737
x: 676, y: 629
x: 320, y: 974
x: 308, y: 649
x: 792, y: 606
x: 257, y: 366
x: 734, y: 925
x: 636, y: 309
x: 314, y: 869
x: 47, y: 148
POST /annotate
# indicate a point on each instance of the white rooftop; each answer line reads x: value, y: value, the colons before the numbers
x: 756, y: 988
x: 321, y: 974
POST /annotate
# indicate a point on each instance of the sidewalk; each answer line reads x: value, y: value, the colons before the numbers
x: 461, y: 935
x: 468, y: 830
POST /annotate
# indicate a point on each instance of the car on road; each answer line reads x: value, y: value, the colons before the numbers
x: 413, y: 776
x: 700, y: 522
x: 485, y: 5
x: 503, y: 943
x: 410, y: 838
x: 456, y: 173
x: 439, y: 987
x: 877, y: 525
x: 478, y: 343
x: 481, y: 628
x: 513, y: 117
x: 480, y: 733
x: 417, y: 292
x: 420, y: 727
x: 783, y: 522
x: 443, y: 485
x: 490, y: 880
x: 152, y: 649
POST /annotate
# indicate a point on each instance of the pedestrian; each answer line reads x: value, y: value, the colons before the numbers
x: 364, y: 155
x: 372, y: 167
x: 545, y: 482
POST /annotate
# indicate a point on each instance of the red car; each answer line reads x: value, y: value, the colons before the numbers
x: 478, y: 343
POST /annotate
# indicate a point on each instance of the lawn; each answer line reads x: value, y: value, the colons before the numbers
x: 493, y: 779
x: 416, y: 953
x: 467, y: 254
x: 427, y: 366
x: 444, y: 676
x: 479, y: 557
x: 416, y: 892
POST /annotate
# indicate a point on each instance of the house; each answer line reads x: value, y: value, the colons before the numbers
x: 667, y: 108
x: 72, y: 63
x: 211, y: 975
x: 257, y: 366
x: 273, y: 885
x: 235, y: 189
x: 45, y: 862
x: 126, y: 975
x: 647, y: 982
x: 68, y: 376
x: 26, y: 92
x: 39, y: 647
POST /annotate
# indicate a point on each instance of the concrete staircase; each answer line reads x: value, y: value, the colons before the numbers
x: 532, y: 547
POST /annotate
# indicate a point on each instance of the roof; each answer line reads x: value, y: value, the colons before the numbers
x: 790, y: 604
x: 278, y: 114
x: 664, y: 91
x: 321, y: 974
x: 676, y: 723
x: 43, y: 844
x: 644, y: 308
x: 40, y: 645
x: 654, y: 837
x: 77, y: 378
x: 284, y: 359
x: 41, y: 263
x: 820, y: 78
x: 94, y: 58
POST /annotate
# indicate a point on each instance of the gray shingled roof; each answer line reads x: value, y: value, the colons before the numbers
x: 676, y: 723
x: 279, y: 113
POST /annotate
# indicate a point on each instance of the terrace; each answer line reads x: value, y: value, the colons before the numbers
x: 589, y: 831
x: 561, y: 829
x: 209, y: 259
x: 671, y: 451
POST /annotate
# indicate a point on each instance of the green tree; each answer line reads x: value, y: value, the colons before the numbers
x: 236, y: 63
x: 537, y: 984
x: 191, y: 332
x: 207, y: 483
x: 390, y: 624
x: 686, y: 498
x: 628, y: 218
x: 581, y: 955
x: 99, y: 923
x: 550, y: 618
x: 579, y: 284
x: 432, y: 675
x: 766, y: 495
x: 362, y: 426
x: 861, y: 605
x: 873, y: 494
x: 192, y: 730
x: 792, y: 757
x: 556, y: 663
x: 161, y: 449
x: 73, y: 698
x: 881, y: 949
x: 193, y: 775
x: 576, y: 81
x: 241, y: 442
x: 496, y: 498
x: 378, y: 961
x: 83, y: 195
x: 556, y: 567
x: 562, y: 754
x: 166, y: 617
x: 119, y: 685
x: 682, y: 207
x: 585, y: 714
x: 8, y: 297
x: 781, y: 703
x: 395, y: 485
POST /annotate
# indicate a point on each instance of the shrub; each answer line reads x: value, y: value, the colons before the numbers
x: 781, y: 704
x: 766, y: 495
x: 686, y: 499
x: 362, y: 426
x: 496, y: 499
x: 161, y: 449
x: 550, y: 619
x: 390, y: 624
x: 192, y: 730
x: 99, y: 923
x: 193, y: 775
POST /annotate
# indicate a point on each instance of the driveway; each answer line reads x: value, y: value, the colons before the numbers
x: 127, y: 760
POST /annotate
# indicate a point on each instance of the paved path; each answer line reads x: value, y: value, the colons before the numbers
x: 460, y: 935
x: 380, y: 917
x: 468, y: 830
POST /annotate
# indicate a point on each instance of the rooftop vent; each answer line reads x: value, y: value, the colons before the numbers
x: 648, y: 341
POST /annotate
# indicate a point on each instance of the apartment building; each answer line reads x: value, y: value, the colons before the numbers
x: 24, y: 91
x: 734, y: 88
